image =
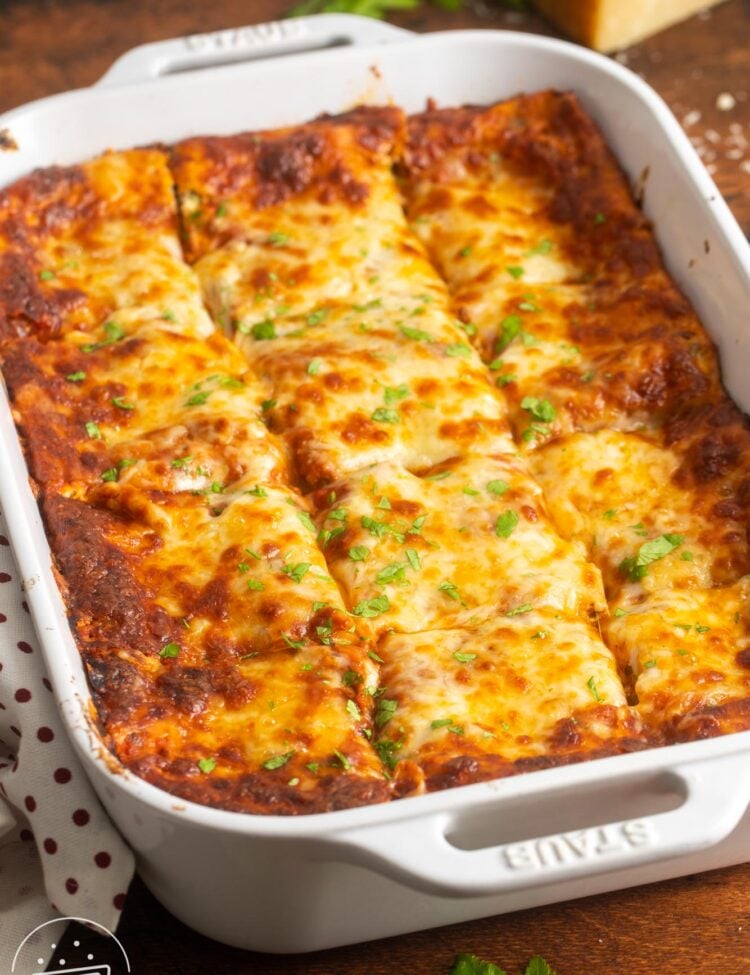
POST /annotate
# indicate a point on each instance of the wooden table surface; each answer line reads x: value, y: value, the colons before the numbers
x: 698, y: 925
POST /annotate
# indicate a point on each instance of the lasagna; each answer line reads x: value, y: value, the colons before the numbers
x: 377, y: 455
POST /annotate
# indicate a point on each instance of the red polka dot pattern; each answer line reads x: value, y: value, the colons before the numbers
x: 82, y: 864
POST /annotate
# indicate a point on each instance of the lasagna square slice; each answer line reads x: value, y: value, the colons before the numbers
x: 86, y: 244
x: 466, y: 543
x: 688, y: 654
x: 531, y: 222
x: 518, y: 693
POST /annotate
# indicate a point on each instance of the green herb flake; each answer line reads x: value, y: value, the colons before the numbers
x: 385, y: 710
x: 170, y: 650
x: 263, y: 330
x: 687, y: 556
x: 649, y: 664
x: 376, y: 657
x: 257, y: 492
x: 297, y: 571
x: 464, y: 252
x: 47, y: 275
x: 620, y: 612
x: 464, y: 658
x: 540, y: 409
x: 441, y: 723
x: 440, y: 476
x: 76, y: 377
x: 412, y: 556
x: 359, y: 553
x: 450, y: 589
x: 610, y: 514
x: 458, y: 350
x: 636, y: 567
x: 543, y: 247
x: 121, y: 403
x: 306, y: 520
x: 353, y: 710
x: 255, y: 585
x: 113, y: 332
x: 207, y: 765
x: 415, y: 334
x: 384, y: 504
x: 313, y: 367
x: 393, y: 573
x: 385, y: 415
x: 506, y: 524
x: 370, y: 608
x: 343, y: 761
x: 498, y: 487
x: 268, y: 404
x: 591, y: 684
x: 111, y: 474
x: 510, y: 327
x: 197, y: 399
x: 599, y: 218
x: 277, y: 239
x: 471, y: 965
x: 515, y: 271
x: 520, y: 610
x: 317, y: 317
x: 93, y: 431
x: 394, y: 394
x: 277, y: 761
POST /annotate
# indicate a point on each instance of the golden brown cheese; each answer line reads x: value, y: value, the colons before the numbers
x: 612, y: 384
x: 305, y: 256
x: 468, y: 542
x: 530, y: 220
x: 521, y: 692
x: 223, y: 664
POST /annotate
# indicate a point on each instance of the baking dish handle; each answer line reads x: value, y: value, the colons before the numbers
x: 716, y: 795
x: 253, y: 43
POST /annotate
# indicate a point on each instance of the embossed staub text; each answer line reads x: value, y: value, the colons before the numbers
x: 585, y: 844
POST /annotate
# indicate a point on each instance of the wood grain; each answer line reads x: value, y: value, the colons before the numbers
x: 698, y: 925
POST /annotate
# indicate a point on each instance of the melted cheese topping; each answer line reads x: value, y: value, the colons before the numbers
x: 468, y: 542
x: 537, y: 686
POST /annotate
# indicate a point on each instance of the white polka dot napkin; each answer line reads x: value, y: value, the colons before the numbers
x: 59, y: 853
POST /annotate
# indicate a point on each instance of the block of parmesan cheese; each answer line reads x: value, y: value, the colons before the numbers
x: 609, y: 25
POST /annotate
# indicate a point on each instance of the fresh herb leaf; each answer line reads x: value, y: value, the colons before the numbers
x: 384, y: 415
x: 93, y: 431
x: 277, y: 761
x: 170, y: 650
x: 207, y: 765
x: 636, y: 567
x: 498, y: 487
x: 506, y: 524
x: 370, y: 608
x: 76, y: 377
x: 471, y: 965
x: 540, y: 409
x: 359, y: 553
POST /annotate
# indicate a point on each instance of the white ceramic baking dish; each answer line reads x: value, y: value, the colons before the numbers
x: 289, y: 885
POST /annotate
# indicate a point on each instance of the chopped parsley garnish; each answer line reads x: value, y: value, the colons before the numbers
x: 46, y: 275
x: 351, y: 707
x: 472, y: 492
x: 395, y: 572
x: 515, y: 271
x: 458, y: 350
x: 687, y: 556
x: 540, y: 635
x: 384, y: 504
x: 76, y: 377
x: 393, y: 394
x: 255, y: 585
x: 277, y: 239
x: 376, y: 657
x: 207, y: 765
x: 113, y: 331
x: 440, y: 476
x: 180, y: 462
x: 609, y: 515
x: 384, y: 415
x: 359, y: 553
x: 313, y: 367
x: 257, y: 491
x: 498, y: 487
x: 701, y: 629
x: 277, y: 761
x: 168, y: 315
x: 649, y: 664
x: 506, y: 524
x: 121, y: 403
x: 415, y: 334
x: 412, y: 556
x: 298, y: 571
x: 113, y: 473
x: 464, y: 252
x: 599, y: 218
x: 636, y: 567
x: 370, y: 608
x: 93, y: 431
x: 170, y: 650
x: 540, y: 409
x: 441, y: 723
x: 317, y: 316
x: 450, y: 589
x: 268, y: 404
x: 263, y: 330
x: 620, y: 612
x: 351, y: 678
x: 520, y: 610
x: 381, y: 528
x: 543, y: 247
x: 385, y: 711
x: 343, y: 761
x: 386, y: 750
x: 591, y: 684
x: 510, y: 327
x: 639, y: 529
x: 464, y: 658
x: 197, y: 399
x: 306, y: 520
x: 294, y: 644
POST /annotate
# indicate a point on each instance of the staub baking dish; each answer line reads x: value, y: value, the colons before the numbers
x: 298, y: 884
